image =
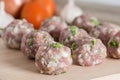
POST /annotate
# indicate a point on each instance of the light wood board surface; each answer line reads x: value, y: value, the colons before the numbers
x: 15, y: 66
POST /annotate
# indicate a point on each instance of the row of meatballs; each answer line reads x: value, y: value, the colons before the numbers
x: 107, y: 32
x: 50, y: 57
x: 55, y: 46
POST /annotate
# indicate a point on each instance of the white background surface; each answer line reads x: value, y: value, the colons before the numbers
x: 108, y: 2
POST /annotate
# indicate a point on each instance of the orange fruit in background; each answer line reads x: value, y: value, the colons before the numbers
x: 37, y: 11
x: 49, y: 5
x: 34, y: 13
x: 13, y: 7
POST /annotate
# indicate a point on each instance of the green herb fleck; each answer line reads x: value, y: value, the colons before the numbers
x: 35, y: 30
x: 92, y: 43
x: 53, y: 60
x: 91, y: 46
x: 63, y: 72
x: 73, y: 30
x: 74, y: 46
x: 30, y: 41
x: 1, y: 29
x: 113, y: 43
x: 94, y: 21
x: 61, y: 42
x: 56, y: 45
x: 71, y: 55
x: 69, y: 38
x: 44, y: 37
x: 107, y: 30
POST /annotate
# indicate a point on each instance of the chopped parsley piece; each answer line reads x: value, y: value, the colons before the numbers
x: 74, y: 46
x: 53, y: 60
x: 107, y: 30
x: 61, y: 42
x: 69, y: 38
x: 63, y: 72
x: 113, y: 43
x: 56, y: 45
x: 92, y: 43
x: 1, y: 29
x: 35, y: 30
x: 91, y: 46
x: 71, y: 55
x: 44, y: 37
x: 73, y: 30
x: 94, y: 21
x: 30, y: 41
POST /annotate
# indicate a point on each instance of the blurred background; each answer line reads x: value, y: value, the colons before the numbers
x: 107, y: 2
x: 105, y: 10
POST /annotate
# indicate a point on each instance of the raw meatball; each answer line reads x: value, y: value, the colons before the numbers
x: 54, y: 59
x: 105, y: 31
x: 32, y: 41
x: 13, y: 33
x: 54, y: 26
x: 69, y: 35
x: 114, y: 46
x: 88, y: 52
x: 86, y: 21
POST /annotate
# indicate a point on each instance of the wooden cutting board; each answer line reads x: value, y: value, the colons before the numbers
x: 15, y: 66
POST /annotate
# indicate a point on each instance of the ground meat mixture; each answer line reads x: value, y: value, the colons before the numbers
x: 114, y: 46
x: 32, y: 41
x: 53, y: 59
x: 86, y: 21
x: 105, y: 31
x: 54, y: 26
x: 71, y: 34
x: 13, y: 33
x: 88, y: 52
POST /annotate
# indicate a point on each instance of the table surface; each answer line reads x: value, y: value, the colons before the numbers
x: 15, y: 66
